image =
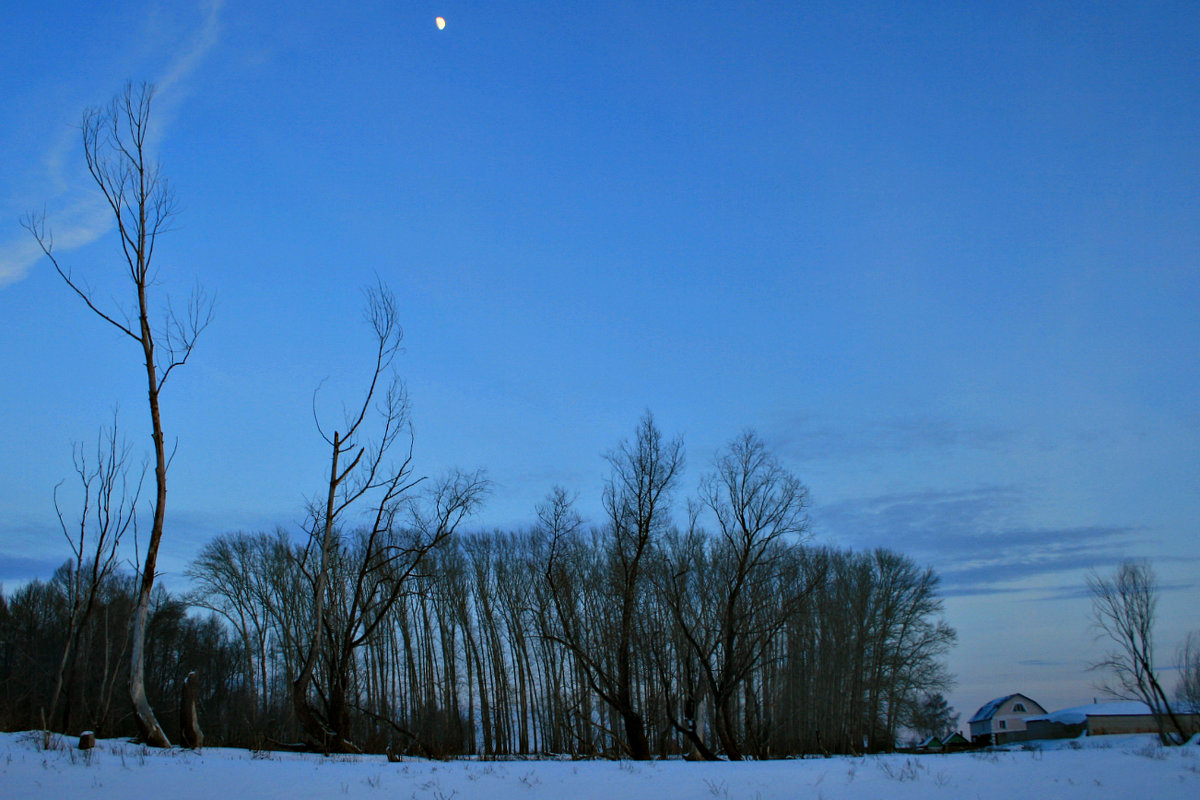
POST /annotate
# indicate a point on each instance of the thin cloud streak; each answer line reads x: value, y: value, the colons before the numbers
x: 204, y: 41
x: 973, y: 539
x: 82, y: 217
x: 810, y: 437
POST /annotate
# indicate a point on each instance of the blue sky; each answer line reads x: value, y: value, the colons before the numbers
x: 945, y: 259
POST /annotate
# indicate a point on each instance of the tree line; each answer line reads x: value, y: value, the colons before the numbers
x: 633, y: 637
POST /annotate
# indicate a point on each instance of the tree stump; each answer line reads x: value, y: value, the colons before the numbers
x: 189, y: 724
x: 87, y: 740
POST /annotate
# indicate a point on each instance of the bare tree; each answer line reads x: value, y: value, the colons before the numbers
x: 721, y: 590
x: 1188, y: 690
x: 115, y: 144
x: 760, y: 509
x: 1123, y: 609
x: 228, y: 576
x: 389, y: 553
x: 604, y: 637
x: 109, y: 511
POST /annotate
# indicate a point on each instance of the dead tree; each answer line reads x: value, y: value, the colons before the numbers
x: 377, y: 483
x: 1188, y: 658
x: 115, y: 144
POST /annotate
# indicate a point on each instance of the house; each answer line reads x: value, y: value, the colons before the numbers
x: 1003, y: 719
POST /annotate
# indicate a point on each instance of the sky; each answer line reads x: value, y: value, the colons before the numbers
x: 943, y: 258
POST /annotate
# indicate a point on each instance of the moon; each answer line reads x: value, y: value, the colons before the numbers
x: 441, y: 23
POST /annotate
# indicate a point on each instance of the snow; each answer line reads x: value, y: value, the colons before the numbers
x: 1078, y: 715
x: 1091, y: 768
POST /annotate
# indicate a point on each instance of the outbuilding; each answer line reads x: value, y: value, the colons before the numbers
x: 1099, y: 719
x: 955, y: 741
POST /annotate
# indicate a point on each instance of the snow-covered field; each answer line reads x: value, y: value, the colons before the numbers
x: 1125, y: 767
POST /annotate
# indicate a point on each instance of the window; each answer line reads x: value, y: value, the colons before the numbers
x: 1003, y: 724
x: 1019, y: 708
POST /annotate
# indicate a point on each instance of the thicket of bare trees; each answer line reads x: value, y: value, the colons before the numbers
x: 1188, y: 690
x: 631, y: 638
x: 472, y: 659
x: 634, y: 637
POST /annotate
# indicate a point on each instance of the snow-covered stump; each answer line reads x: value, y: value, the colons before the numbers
x: 87, y: 740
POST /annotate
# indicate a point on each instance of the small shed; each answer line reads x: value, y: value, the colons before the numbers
x: 955, y: 741
x: 1003, y: 719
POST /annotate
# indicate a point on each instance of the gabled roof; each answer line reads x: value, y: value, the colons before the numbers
x: 991, y: 707
x: 932, y: 741
x: 956, y: 738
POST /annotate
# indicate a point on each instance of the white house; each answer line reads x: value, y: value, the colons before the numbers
x: 1003, y: 719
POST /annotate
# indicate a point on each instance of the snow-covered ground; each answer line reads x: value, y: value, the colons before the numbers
x: 1123, y: 767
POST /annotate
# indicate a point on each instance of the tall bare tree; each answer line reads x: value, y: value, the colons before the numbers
x: 1123, y: 608
x: 721, y: 590
x: 761, y: 510
x: 377, y: 482
x: 604, y: 639
x: 115, y: 147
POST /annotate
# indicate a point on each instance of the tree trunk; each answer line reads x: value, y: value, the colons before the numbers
x: 189, y: 723
x: 151, y: 732
x: 308, y: 720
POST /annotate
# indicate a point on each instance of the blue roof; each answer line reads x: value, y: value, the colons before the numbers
x: 990, y: 707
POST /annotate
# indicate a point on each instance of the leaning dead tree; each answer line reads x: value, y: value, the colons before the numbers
x: 115, y: 145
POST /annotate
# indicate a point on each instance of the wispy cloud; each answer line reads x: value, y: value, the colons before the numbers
x: 80, y: 216
x: 1079, y: 590
x: 975, y: 539
x: 810, y: 437
x: 1042, y: 662
x: 203, y: 42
